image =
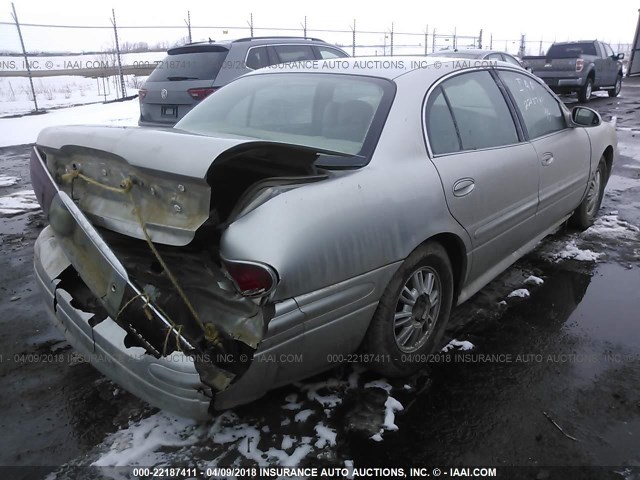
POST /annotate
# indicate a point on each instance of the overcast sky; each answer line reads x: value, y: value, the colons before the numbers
x: 543, y: 19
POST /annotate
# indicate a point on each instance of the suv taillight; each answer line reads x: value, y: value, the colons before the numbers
x: 142, y: 93
x: 579, y: 65
x: 251, y: 279
x: 200, y: 93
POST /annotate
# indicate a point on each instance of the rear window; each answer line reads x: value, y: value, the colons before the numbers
x: 337, y: 113
x: 571, y: 50
x: 189, y: 66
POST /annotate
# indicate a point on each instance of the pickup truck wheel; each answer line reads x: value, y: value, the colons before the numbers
x: 586, y: 213
x: 584, y: 94
x: 616, y: 91
x: 412, y: 313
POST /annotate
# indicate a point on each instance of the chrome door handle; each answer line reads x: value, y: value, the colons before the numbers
x: 547, y: 159
x: 463, y: 187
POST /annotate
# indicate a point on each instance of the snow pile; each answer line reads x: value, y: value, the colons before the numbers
x: 573, y: 252
x: 391, y: 406
x: 138, y: 444
x: 326, y: 435
x: 461, y: 345
x: 21, y: 130
x: 6, y: 181
x: 18, y: 202
x: 521, y: 292
x: 612, y: 226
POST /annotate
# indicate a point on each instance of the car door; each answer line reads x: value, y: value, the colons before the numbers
x: 489, y: 174
x: 563, y: 152
x: 612, y: 65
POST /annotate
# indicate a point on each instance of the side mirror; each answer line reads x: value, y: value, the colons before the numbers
x: 585, y: 117
x: 620, y: 56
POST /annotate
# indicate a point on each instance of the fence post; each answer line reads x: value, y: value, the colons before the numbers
x: 522, y: 48
x: 304, y: 27
x: 251, y: 24
x: 480, y: 40
x: 188, y: 22
x: 426, y: 39
x: 491, y: 42
x: 26, y: 59
x: 353, y: 40
x: 115, y: 32
x: 391, y: 40
x: 540, y: 51
x: 455, y: 36
x: 433, y: 41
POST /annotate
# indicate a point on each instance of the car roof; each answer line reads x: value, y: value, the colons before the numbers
x: 381, y: 67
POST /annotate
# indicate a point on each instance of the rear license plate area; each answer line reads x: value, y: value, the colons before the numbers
x: 169, y: 111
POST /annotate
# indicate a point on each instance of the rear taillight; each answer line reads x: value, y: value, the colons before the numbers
x: 579, y: 65
x: 142, y: 93
x: 251, y: 279
x: 200, y: 93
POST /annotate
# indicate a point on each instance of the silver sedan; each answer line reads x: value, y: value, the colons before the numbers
x: 301, y: 214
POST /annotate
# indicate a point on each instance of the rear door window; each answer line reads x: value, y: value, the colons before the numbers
x: 540, y: 110
x: 480, y: 111
x: 189, y: 66
x: 571, y: 50
x: 294, y: 53
x: 326, y: 53
x: 443, y: 137
x: 257, y: 58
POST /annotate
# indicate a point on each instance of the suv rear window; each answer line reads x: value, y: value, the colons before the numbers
x: 203, y: 65
x: 571, y: 50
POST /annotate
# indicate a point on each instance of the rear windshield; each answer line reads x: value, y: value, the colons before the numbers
x: 571, y: 50
x: 338, y: 113
x: 189, y: 66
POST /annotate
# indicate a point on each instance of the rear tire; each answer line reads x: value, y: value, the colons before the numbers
x: 584, y: 94
x: 412, y: 313
x: 616, y: 91
x: 586, y: 213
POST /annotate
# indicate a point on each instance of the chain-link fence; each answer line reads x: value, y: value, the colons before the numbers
x: 109, y: 61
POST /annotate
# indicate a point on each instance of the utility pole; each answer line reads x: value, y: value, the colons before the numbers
x: 304, y: 27
x: 115, y: 32
x: 426, y: 39
x: 480, y: 40
x: 433, y: 41
x: 491, y: 42
x: 24, y: 54
x: 522, y: 49
x: 455, y: 30
x: 392, y: 39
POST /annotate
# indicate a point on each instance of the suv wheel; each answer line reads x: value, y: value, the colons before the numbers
x: 584, y: 94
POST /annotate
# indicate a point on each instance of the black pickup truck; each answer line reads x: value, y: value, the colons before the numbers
x: 581, y: 67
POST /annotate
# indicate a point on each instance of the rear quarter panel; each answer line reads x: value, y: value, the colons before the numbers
x: 357, y: 221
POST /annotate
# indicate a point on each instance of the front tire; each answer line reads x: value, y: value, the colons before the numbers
x: 586, y: 213
x: 616, y: 91
x: 584, y: 94
x: 412, y: 313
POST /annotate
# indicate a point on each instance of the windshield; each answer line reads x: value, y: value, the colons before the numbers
x: 331, y: 112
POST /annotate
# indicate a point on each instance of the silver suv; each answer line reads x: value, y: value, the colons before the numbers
x: 191, y: 72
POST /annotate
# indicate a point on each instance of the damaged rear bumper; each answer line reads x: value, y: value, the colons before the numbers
x: 170, y: 383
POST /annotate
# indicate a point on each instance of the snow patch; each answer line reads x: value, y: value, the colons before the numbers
x: 533, y: 280
x: 462, y: 345
x: 18, y: 202
x: 521, y: 292
x: 303, y: 415
x: 6, y: 181
x: 379, y: 384
x: 572, y: 251
x: 326, y: 435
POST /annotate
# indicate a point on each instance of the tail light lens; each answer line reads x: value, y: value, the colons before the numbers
x: 579, y: 65
x: 142, y: 93
x: 251, y: 279
x: 200, y: 93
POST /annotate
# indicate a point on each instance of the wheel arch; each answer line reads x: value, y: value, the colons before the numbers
x: 608, y: 158
x: 457, y: 253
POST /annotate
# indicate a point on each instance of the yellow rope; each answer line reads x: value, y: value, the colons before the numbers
x: 210, y: 332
